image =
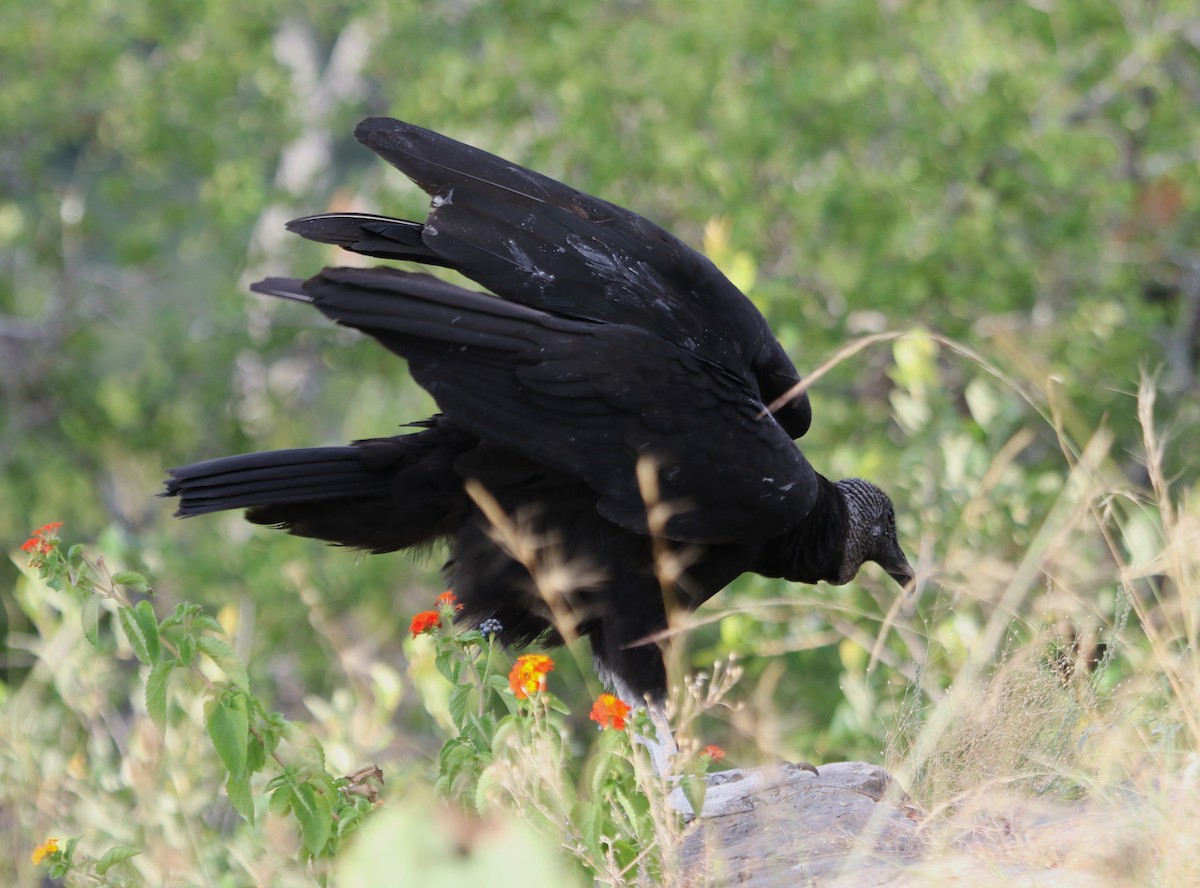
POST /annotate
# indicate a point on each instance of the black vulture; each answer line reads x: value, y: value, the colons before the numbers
x: 609, y: 364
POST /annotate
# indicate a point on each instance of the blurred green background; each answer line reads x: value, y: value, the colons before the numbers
x: 1020, y: 177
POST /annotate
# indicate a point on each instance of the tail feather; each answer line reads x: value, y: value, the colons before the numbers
x: 381, y: 495
x: 272, y: 477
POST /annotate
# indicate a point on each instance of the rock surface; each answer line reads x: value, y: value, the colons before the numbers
x: 849, y: 824
x: 852, y: 825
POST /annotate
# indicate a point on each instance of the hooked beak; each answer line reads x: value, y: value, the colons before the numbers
x: 897, y: 566
x: 903, y: 575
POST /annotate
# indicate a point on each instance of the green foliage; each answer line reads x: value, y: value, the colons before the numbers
x: 1004, y: 194
x: 511, y: 749
x: 247, y: 738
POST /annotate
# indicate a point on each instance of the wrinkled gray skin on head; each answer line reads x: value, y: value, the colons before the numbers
x: 871, y: 532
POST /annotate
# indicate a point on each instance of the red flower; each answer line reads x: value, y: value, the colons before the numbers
x: 425, y: 621
x: 528, y: 674
x: 713, y: 753
x: 42, y: 540
x: 449, y: 599
x: 610, y: 712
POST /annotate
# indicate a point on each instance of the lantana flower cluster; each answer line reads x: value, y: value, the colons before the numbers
x: 610, y: 711
x: 429, y: 620
x: 41, y: 543
x: 48, y: 848
x: 528, y: 675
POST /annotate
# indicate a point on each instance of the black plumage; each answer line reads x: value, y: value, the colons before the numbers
x: 611, y: 344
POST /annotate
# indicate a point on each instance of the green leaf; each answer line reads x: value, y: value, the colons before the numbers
x: 114, y: 855
x: 448, y: 665
x: 557, y: 705
x: 597, y: 772
x: 90, y: 617
x: 459, y: 698
x: 156, y: 692
x: 586, y: 817
x: 694, y: 788
x: 454, y: 755
x: 256, y: 755
x: 141, y: 629
x: 313, y: 811
x: 488, y: 784
x: 305, y: 749
x: 131, y: 579
x: 187, y: 650
x: 238, y: 789
x: 204, y: 621
x: 229, y: 728
x: 281, y: 800
x: 224, y: 656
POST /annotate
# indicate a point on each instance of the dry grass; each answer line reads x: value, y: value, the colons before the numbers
x: 1028, y: 771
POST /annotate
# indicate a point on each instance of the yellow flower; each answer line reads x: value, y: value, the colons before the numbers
x: 528, y: 675
x: 44, y: 850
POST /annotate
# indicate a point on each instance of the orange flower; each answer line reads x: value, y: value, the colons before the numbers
x: 449, y: 599
x: 528, y: 674
x: 425, y: 621
x: 44, y: 850
x: 713, y: 753
x: 42, y: 540
x: 610, y: 712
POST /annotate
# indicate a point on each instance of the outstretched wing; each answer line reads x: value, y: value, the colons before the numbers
x: 535, y: 241
x: 584, y: 398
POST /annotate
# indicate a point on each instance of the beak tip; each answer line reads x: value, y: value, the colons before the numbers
x: 902, y: 573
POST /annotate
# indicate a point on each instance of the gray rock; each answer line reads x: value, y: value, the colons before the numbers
x: 781, y: 825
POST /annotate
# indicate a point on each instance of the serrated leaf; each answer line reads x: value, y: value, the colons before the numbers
x: 313, y: 811
x: 75, y: 555
x: 507, y: 733
x: 306, y: 750
x: 156, y: 692
x: 131, y: 579
x: 447, y: 665
x: 205, y: 621
x: 141, y: 630
x: 459, y: 698
x: 90, y: 618
x: 350, y: 819
x: 187, y: 650
x: 586, y: 818
x: 114, y: 855
x: 453, y: 754
x: 281, y: 800
x: 224, y: 656
x: 238, y: 790
x: 256, y: 755
x: 229, y: 728
x: 489, y: 780
x: 597, y: 773
x: 498, y: 682
x: 622, y: 800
